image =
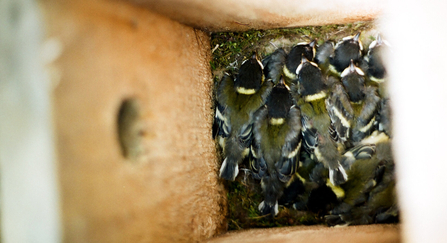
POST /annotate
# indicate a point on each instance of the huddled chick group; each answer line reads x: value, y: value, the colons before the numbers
x: 315, y: 127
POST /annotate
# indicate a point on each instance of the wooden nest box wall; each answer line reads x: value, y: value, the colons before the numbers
x: 130, y: 92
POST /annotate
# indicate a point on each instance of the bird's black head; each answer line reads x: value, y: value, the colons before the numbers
x: 376, y: 67
x: 301, y: 49
x: 349, y: 48
x: 279, y: 101
x: 250, y: 77
x: 354, y: 82
x: 310, y: 78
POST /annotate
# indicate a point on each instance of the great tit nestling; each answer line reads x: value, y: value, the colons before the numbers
x: 384, y: 117
x: 376, y: 67
x: 311, y: 82
x: 276, y: 146
x: 294, y: 59
x: 365, y: 120
x: 341, y: 113
x: 324, y: 52
x: 370, y: 192
x: 273, y: 65
x: 354, y: 82
x: 352, y: 106
x: 236, y: 102
x: 316, y: 121
x: 349, y: 48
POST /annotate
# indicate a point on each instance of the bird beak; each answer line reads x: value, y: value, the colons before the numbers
x: 379, y: 39
x: 312, y: 44
x: 281, y: 80
x: 254, y: 56
x: 352, y: 66
x: 356, y: 37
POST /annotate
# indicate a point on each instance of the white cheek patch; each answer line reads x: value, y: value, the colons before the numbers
x: 316, y: 65
x: 242, y: 90
x: 361, y: 46
x: 298, y: 69
x: 372, y: 45
x: 348, y: 71
x: 260, y: 64
x: 359, y: 71
x: 345, y: 72
x: 315, y: 97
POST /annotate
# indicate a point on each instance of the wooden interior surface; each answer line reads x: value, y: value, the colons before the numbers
x: 112, y: 51
x: 298, y: 234
x: 235, y: 15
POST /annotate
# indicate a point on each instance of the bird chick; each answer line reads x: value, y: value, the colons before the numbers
x: 237, y: 100
x: 273, y: 65
x: 350, y: 48
x: 293, y: 60
x: 276, y: 146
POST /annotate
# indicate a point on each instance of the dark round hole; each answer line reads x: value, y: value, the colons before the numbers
x: 130, y: 129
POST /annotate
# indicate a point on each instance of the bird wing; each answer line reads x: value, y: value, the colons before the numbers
x: 341, y: 113
x: 367, y: 118
x: 258, y: 164
x: 273, y: 65
x: 221, y: 126
x: 288, y: 163
x: 384, y: 122
x: 361, y: 151
x: 310, y: 135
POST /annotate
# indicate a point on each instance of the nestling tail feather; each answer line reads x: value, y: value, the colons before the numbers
x: 338, y: 175
x: 229, y: 170
x: 265, y: 208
